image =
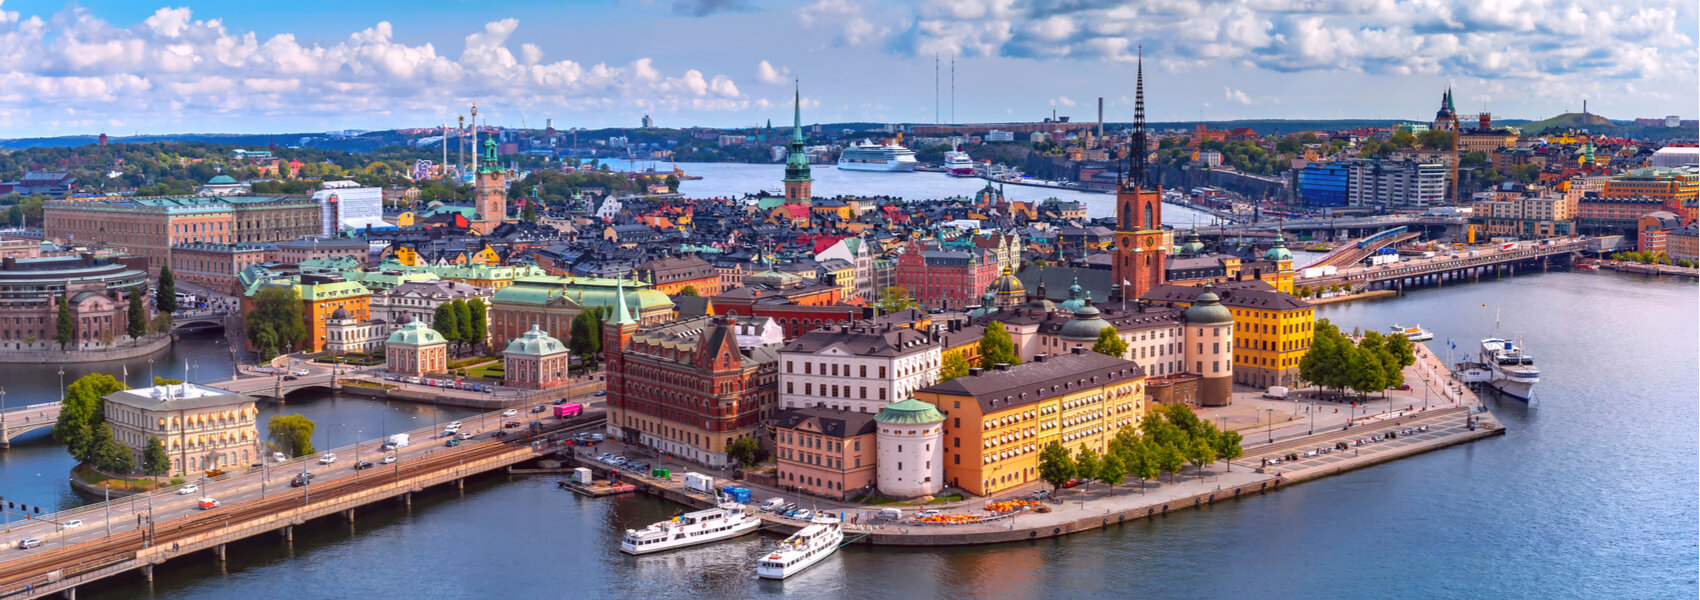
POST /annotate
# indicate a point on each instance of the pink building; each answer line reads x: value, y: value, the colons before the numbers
x: 825, y: 452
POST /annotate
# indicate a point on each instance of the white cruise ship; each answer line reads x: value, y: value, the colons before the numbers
x: 1513, y: 372
x: 803, y: 549
x: 868, y: 156
x: 958, y: 164
x: 712, y: 525
x: 1415, y: 334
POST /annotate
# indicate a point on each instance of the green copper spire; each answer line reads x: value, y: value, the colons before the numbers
x: 489, y: 160
x: 621, y: 315
x: 797, y: 164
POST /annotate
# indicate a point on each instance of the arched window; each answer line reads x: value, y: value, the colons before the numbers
x: 1150, y: 223
x: 1127, y: 216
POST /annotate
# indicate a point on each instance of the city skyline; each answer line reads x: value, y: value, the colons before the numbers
x: 224, y: 67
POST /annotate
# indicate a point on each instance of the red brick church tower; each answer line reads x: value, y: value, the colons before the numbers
x: 1139, y: 254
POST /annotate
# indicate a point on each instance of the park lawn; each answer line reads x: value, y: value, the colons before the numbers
x: 495, y: 371
x: 94, y: 477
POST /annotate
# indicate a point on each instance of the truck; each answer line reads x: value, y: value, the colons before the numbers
x: 700, y: 482
x: 737, y: 494
x: 571, y: 409
x: 1277, y: 392
x: 397, y: 440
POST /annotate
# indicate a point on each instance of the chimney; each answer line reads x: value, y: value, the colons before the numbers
x: 1001, y: 366
x: 1486, y: 120
x: 974, y: 371
x: 1039, y: 358
x: 1078, y: 350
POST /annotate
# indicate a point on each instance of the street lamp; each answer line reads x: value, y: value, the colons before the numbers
x: 1311, y: 408
x: 61, y: 385
x: 1271, y: 413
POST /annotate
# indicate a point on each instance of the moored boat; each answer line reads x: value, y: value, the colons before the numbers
x: 803, y: 549
x: 700, y: 527
x: 1415, y: 334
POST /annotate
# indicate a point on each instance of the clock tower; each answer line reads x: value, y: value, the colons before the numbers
x: 1138, y: 257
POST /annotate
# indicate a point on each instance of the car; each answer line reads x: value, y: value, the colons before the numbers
x: 510, y: 412
x: 298, y: 481
x: 208, y: 504
x: 464, y: 435
x: 387, y: 459
x: 638, y: 466
x: 289, y: 378
x: 452, y: 443
x: 537, y: 409
x: 279, y: 457
x: 300, y: 373
x: 803, y: 515
x: 499, y: 434
x: 1405, y: 387
x: 1071, y: 483
x: 188, y: 489
x: 365, y: 464
x: 602, y: 457
x: 600, y: 393
x: 72, y: 524
x: 27, y: 543
x: 1274, y: 461
x: 328, y: 458
x: 511, y: 424
x: 561, y: 401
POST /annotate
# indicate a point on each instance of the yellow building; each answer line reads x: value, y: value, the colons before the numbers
x: 996, y: 422
x: 1272, y: 329
x: 1654, y: 182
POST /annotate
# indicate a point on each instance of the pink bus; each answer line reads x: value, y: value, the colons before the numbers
x: 571, y: 409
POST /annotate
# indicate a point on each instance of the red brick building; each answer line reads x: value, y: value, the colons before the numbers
x: 946, y: 278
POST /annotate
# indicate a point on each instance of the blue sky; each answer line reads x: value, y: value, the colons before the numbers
x: 145, y: 66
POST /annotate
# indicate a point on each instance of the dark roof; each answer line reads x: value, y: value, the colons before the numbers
x: 1254, y: 294
x: 1031, y: 382
x: 862, y: 341
x: 1058, y: 279
x: 834, y: 422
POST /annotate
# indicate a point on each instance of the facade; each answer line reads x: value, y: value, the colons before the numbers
x: 1323, y: 184
x: 945, y: 278
x: 1654, y: 182
x: 491, y: 196
x: 911, y: 449
x: 345, y: 205
x: 861, y: 257
x: 1524, y: 216
x: 151, y: 227
x: 859, y: 367
x: 997, y: 421
x: 262, y: 219
x: 535, y: 361
x: 301, y: 250
x: 824, y: 452
x: 1602, y: 214
x: 418, y: 300
x: 214, y: 265
x: 202, y: 428
x: 1381, y: 184
x: 1140, y: 252
x: 97, y: 289
x: 1681, y: 244
x: 686, y: 388
x: 673, y: 274
x: 414, y: 349
x: 1268, y: 334
x: 344, y: 334
x: 553, y: 302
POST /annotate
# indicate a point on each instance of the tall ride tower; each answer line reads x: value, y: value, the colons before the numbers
x: 798, y: 183
x: 1138, y: 257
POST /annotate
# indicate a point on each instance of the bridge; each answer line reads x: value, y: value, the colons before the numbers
x: 1352, y: 253
x: 24, y: 420
x: 1356, y: 227
x: 1458, y: 264
x: 137, y: 533
x: 184, y: 322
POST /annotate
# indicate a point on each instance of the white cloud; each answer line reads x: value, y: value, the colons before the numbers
x: 767, y: 73
x: 1236, y: 95
x: 1062, y: 101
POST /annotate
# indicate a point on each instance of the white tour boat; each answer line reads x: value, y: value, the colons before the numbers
x: 712, y: 525
x: 803, y: 549
x: 1415, y: 334
x: 1512, y: 372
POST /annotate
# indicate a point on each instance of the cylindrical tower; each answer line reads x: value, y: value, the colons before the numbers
x: 1210, y: 348
x: 910, y: 441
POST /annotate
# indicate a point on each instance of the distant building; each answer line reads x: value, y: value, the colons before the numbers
x: 202, y: 428
x: 414, y: 349
x: 1323, y: 184
x: 535, y: 361
x: 345, y: 205
x: 1676, y: 157
x: 648, y: 123
x: 96, y: 287
x: 1383, y: 184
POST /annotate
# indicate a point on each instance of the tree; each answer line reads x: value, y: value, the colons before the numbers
x: 1055, y: 465
x: 275, y: 323
x: 1086, y: 462
x: 996, y: 347
x: 1304, y: 291
x: 1402, y: 138
x: 954, y: 366
x: 894, y: 299
x: 1435, y: 139
x: 1144, y: 463
x: 1200, y: 453
x: 1112, y: 470
x: 154, y: 459
x: 585, y: 338
x: 1228, y: 446
x: 446, y: 320
x: 106, y: 454
x: 64, y: 330
x: 291, y: 434
x: 82, y: 412
x: 480, y: 322
x: 745, y: 450
x: 463, y: 318
x: 1402, y: 350
x: 137, y: 327
x: 690, y: 290
x: 1110, y: 344
x: 1169, y: 460
x: 529, y: 213
x: 672, y: 184
x: 165, y: 294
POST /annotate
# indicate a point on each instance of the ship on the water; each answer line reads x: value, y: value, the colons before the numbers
x: 726, y: 521
x: 890, y: 157
x: 1415, y: 334
x: 1510, y: 370
x: 803, y: 549
x: 958, y: 164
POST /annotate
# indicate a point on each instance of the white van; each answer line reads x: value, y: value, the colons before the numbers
x: 772, y: 503
x: 891, y: 514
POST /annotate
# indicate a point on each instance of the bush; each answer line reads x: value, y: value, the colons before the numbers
x: 176, y: 481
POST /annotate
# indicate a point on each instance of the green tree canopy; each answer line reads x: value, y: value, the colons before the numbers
x: 64, y: 328
x: 1112, y: 470
x: 446, y: 320
x: 954, y: 366
x: 1109, y: 344
x: 479, y: 325
x: 83, y: 411
x: 585, y: 337
x: 291, y: 434
x: 165, y: 297
x: 745, y: 450
x: 894, y: 299
x: 997, y: 347
x: 1086, y: 462
x: 136, y: 325
x: 690, y: 290
x: 1056, y: 467
x: 275, y: 324
x: 154, y: 459
x: 463, y: 319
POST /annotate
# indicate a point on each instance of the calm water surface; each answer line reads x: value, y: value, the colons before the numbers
x: 1590, y: 495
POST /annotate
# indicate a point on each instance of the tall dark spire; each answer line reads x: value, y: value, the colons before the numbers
x: 1136, y: 147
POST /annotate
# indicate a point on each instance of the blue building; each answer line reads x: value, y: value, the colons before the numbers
x: 1323, y: 184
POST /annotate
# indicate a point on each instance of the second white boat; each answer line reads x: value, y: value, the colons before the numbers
x: 803, y: 549
x: 712, y: 525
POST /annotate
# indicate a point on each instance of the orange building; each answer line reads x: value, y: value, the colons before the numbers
x: 672, y: 275
x: 1654, y: 182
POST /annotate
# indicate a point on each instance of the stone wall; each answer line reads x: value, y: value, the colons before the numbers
x: 49, y: 352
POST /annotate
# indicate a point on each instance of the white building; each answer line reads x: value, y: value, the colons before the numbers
x: 855, y: 250
x: 344, y: 334
x: 418, y: 300
x: 346, y: 205
x: 860, y: 367
x: 910, y: 441
x: 1676, y: 158
x: 201, y: 427
x: 1395, y: 184
x: 1000, y: 136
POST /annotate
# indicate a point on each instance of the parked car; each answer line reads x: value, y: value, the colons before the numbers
x: 27, y: 543
x: 188, y: 489
x: 638, y: 466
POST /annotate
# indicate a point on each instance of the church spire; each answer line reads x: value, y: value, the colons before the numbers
x: 797, y: 113
x: 621, y: 315
x: 1136, y: 147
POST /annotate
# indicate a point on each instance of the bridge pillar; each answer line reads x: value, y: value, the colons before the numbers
x: 71, y: 593
x: 147, y: 572
x: 460, y: 484
x: 219, y: 550
x: 350, y: 514
x: 407, y: 499
x: 288, y: 532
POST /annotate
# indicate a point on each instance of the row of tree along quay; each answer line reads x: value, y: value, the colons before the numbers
x: 1373, y: 364
x: 1164, y: 443
x: 83, y: 432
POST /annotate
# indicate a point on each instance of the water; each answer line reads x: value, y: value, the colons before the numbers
x: 735, y: 180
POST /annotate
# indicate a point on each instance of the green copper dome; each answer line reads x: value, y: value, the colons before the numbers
x: 535, y: 343
x: 1085, y: 325
x: 1279, y: 251
x: 1076, y: 298
x: 1193, y: 246
x: 1208, y: 310
x: 909, y: 412
x: 415, y: 333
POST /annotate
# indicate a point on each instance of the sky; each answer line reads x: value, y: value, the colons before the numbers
x: 143, y: 66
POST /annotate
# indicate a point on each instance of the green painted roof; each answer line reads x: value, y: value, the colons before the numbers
x: 535, y: 342
x: 415, y: 333
x: 221, y: 180
x: 583, y: 291
x: 909, y: 412
x: 332, y: 291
